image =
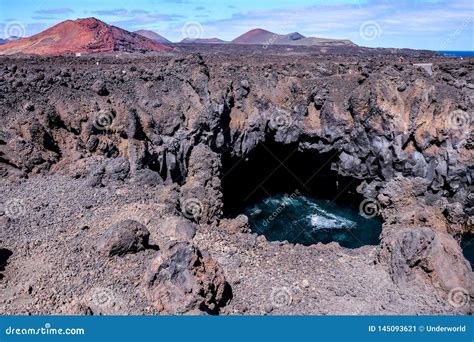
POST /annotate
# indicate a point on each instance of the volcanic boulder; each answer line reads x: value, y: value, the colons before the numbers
x: 425, y: 253
x: 116, y: 169
x: 176, y: 228
x: 124, y: 237
x: 181, y: 280
x: 240, y: 224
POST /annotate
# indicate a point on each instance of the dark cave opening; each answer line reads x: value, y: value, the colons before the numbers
x: 293, y: 195
x: 5, y: 254
x: 272, y: 168
x: 467, y: 246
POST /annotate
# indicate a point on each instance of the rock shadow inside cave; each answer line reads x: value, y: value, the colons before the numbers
x: 5, y: 254
x: 294, y: 195
x: 467, y: 245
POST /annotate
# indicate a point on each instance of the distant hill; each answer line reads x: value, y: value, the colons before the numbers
x: 9, y: 39
x: 264, y: 37
x: 203, y: 41
x: 81, y: 36
x: 255, y: 36
x: 153, y: 36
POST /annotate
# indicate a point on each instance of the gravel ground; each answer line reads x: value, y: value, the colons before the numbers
x: 56, y: 269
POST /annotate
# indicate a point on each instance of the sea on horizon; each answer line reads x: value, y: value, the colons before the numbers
x: 457, y: 53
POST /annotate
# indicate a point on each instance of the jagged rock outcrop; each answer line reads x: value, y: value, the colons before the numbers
x: 175, y: 228
x: 403, y: 136
x: 357, y: 111
x: 378, y: 131
x: 201, y: 196
x: 425, y: 253
x: 181, y: 280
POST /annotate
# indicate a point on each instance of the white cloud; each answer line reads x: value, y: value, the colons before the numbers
x: 403, y: 19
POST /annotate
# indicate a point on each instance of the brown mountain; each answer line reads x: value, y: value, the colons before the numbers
x: 255, y: 36
x: 81, y: 36
x: 153, y: 36
x: 203, y: 41
x: 264, y: 37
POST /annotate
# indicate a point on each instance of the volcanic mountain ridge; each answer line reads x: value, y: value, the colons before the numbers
x: 153, y: 36
x: 203, y: 41
x: 82, y: 36
x: 264, y: 37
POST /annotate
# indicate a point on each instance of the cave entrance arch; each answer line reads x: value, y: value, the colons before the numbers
x: 294, y: 195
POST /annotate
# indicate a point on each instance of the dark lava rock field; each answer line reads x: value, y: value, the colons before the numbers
x: 122, y: 177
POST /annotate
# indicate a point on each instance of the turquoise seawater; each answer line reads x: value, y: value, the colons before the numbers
x: 467, y: 245
x: 457, y: 53
x: 306, y: 220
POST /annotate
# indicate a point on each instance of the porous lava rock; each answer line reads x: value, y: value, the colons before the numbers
x: 181, y: 280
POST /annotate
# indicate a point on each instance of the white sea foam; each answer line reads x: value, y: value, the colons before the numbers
x: 326, y: 220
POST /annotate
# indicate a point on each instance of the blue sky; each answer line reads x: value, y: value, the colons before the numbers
x: 427, y: 24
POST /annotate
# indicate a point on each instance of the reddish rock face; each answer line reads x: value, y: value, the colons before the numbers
x: 81, y: 36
